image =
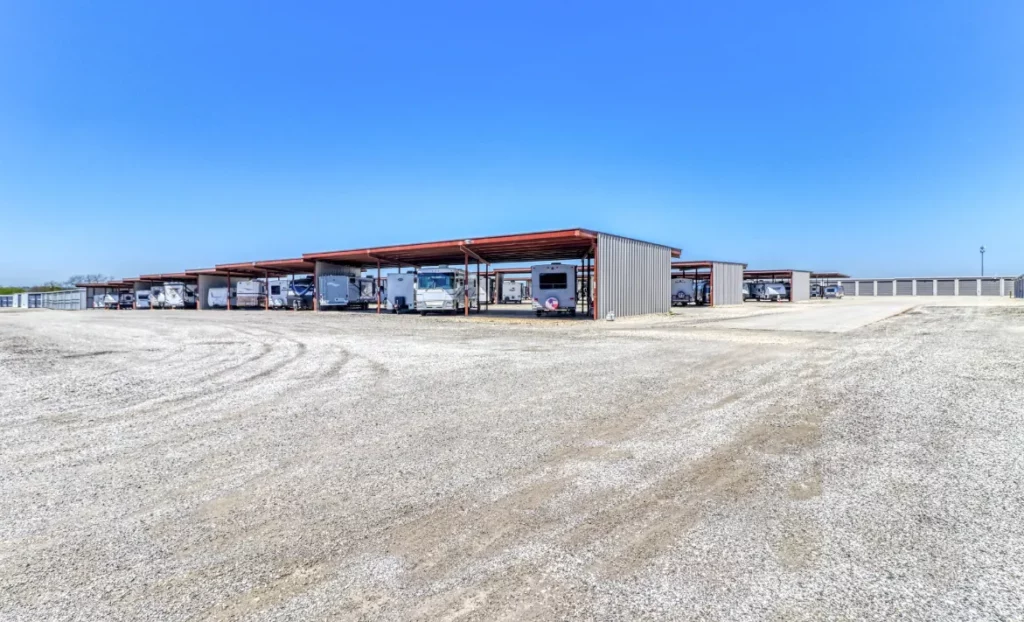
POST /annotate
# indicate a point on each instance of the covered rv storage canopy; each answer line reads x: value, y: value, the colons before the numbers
x: 724, y: 277
x: 631, y: 277
x: 798, y: 282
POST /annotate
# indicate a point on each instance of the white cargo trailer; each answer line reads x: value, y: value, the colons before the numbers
x: 401, y: 291
x: 554, y: 288
x: 444, y: 289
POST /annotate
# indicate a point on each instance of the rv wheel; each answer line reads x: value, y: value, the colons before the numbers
x: 423, y: 313
x: 540, y: 313
x: 572, y: 312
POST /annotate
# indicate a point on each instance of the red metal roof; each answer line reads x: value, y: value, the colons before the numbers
x: 703, y: 263
x: 171, y: 276
x: 829, y: 275
x: 297, y: 265
x: 563, y: 244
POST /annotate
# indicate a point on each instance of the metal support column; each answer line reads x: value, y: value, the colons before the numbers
x: 465, y: 281
x: 266, y: 294
x: 229, y: 292
x: 378, y: 287
x: 597, y: 266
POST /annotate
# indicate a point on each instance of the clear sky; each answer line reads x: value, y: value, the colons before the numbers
x: 878, y: 138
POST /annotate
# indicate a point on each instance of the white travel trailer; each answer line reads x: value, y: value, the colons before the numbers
x: 157, y: 299
x: 444, y: 289
x: 125, y: 300
x: 250, y: 294
x: 109, y: 301
x: 484, y: 289
x: 773, y: 292
x: 346, y: 290
x: 554, y: 288
x: 142, y: 298
x: 179, y: 296
x: 278, y: 293
x: 300, y: 293
x: 401, y: 291
x: 513, y: 292
x: 834, y: 291
x: 682, y: 291
x: 217, y: 297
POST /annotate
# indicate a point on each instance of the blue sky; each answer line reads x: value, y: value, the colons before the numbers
x: 876, y: 138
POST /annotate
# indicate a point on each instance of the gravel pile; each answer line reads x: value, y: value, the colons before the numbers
x: 285, y: 466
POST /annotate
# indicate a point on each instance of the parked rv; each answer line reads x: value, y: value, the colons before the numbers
x: 108, y: 301
x: 702, y: 292
x: 179, y: 296
x: 250, y: 294
x: 554, y: 288
x: 142, y: 298
x: 300, y: 293
x: 484, y: 289
x: 443, y: 289
x: 512, y: 292
x: 345, y: 288
x: 125, y: 300
x: 834, y: 291
x: 746, y: 292
x: 217, y: 297
x: 773, y: 292
x: 682, y: 291
x: 400, y: 291
x: 157, y: 299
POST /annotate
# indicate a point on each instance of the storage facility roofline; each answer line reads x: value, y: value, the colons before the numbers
x: 564, y: 244
x: 829, y: 275
x: 271, y: 267
x: 170, y: 276
x: 703, y: 263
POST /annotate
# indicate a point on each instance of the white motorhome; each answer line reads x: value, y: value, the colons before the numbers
x: 400, y: 291
x: 444, y: 289
x: 250, y: 294
x: 773, y: 292
x: 179, y: 296
x: 513, y: 292
x: 682, y: 291
x: 554, y: 288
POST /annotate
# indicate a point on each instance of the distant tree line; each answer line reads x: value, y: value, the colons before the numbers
x: 53, y: 286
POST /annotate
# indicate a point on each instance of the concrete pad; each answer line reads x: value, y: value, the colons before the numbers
x: 831, y: 318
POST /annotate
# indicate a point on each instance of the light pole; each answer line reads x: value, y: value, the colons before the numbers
x: 982, y: 261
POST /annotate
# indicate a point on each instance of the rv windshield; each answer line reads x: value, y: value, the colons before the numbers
x: 436, y: 281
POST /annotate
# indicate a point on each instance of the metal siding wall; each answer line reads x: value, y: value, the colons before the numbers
x: 925, y: 287
x: 634, y: 278
x: 905, y: 287
x: 728, y: 284
x: 849, y: 288
x: 947, y: 287
x: 990, y: 287
x: 801, y: 286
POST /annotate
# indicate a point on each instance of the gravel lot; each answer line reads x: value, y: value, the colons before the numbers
x: 283, y: 466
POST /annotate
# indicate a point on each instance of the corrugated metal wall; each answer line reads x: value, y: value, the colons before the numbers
x: 947, y: 287
x: 990, y: 287
x: 800, y: 286
x: 633, y: 277
x: 925, y: 287
x: 1018, y: 287
x: 728, y: 279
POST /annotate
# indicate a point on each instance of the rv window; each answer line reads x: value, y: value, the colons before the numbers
x: 435, y: 281
x: 556, y: 280
x: 275, y: 290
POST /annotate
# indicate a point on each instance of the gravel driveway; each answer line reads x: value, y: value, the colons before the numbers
x: 285, y: 466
